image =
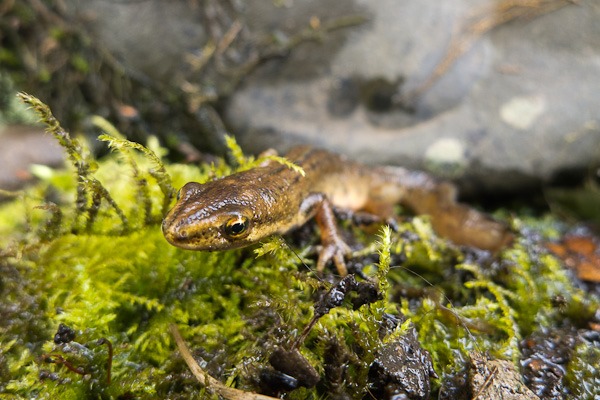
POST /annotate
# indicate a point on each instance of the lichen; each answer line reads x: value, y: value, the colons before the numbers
x: 85, y: 250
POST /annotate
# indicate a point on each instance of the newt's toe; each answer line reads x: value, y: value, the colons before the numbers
x: 336, y: 252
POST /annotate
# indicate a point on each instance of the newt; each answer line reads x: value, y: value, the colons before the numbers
x: 245, y: 207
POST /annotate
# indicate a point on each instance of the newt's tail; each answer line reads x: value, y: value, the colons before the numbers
x: 423, y: 194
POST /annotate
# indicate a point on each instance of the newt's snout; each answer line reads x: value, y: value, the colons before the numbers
x: 171, y: 233
x: 183, y: 236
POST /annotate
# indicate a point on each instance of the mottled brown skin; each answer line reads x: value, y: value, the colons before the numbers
x: 248, y: 206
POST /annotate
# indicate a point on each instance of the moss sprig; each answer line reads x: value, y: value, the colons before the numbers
x: 90, y: 192
x: 159, y: 172
x: 243, y: 162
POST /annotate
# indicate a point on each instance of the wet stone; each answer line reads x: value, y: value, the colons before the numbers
x: 294, y: 365
x: 454, y: 386
x: 274, y: 382
x: 402, y: 369
x: 544, y: 362
x: 64, y: 334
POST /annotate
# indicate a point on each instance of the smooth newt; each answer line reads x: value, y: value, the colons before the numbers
x: 248, y: 206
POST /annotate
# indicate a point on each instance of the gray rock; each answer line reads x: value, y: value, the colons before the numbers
x: 150, y: 39
x: 518, y: 107
x: 21, y: 147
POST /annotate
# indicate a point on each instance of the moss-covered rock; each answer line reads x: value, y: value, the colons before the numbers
x: 83, y: 251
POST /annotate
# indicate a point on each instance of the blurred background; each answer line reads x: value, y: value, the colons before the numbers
x: 500, y: 96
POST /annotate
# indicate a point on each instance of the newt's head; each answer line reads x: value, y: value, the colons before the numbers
x: 206, y: 217
x: 218, y: 215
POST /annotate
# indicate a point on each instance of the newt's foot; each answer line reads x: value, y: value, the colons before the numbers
x: 335, y: 249
x: 333, y: 246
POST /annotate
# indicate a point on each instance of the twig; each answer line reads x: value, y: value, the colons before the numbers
x: 229, y: 37
x: 487, y: 383
x: 483, y: 22
x: 108, y: 344
x: 211, y: 384
x: 58, y: 359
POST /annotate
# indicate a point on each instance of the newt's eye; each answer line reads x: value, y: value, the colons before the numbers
x: 236, y: 227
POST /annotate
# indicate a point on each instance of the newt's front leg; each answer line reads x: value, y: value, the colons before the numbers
x: 333, y: 247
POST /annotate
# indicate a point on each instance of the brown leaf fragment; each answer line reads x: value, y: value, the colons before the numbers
x: 581, y: 254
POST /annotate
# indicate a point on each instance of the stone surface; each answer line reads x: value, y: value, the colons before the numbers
x: 517, y: 108
x: 149, y: 39
x: 496, y: 380
x: 21, y: 147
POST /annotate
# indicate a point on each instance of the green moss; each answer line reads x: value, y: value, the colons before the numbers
x: 583, y: 377
x: 93, y: 257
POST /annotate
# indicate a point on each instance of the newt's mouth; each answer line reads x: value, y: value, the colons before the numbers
x: 176, y: 236
x: 186, y: 237
x: 183, y: 240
